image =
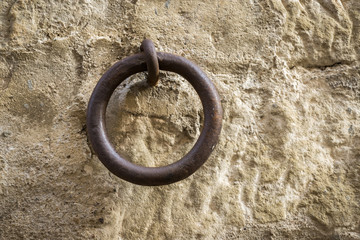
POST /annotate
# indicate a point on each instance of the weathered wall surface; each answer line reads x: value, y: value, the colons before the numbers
x: 288, y: 162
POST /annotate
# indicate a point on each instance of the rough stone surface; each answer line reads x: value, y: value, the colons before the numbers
x: 288, y: 162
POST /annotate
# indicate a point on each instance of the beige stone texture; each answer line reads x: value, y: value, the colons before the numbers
x: 288, y: 162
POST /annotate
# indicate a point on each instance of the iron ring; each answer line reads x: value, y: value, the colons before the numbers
x: 153, y: 176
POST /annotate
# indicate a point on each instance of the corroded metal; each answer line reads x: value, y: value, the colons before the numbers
x: 152, y: 176
x: 152, y: 63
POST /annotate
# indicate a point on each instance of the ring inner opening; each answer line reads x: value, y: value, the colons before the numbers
x: 154, y: 126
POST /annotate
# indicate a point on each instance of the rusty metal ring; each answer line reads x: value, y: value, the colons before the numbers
x: 153, y: 176
x: 152, y: 64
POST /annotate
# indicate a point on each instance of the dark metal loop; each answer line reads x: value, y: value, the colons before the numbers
x: 152, y: 176
x: 152, y: 63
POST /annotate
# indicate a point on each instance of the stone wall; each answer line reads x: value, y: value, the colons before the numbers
x: 288, y: 162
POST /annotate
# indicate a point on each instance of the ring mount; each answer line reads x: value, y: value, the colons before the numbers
x: 153, y: 176
x: 152, y: 63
